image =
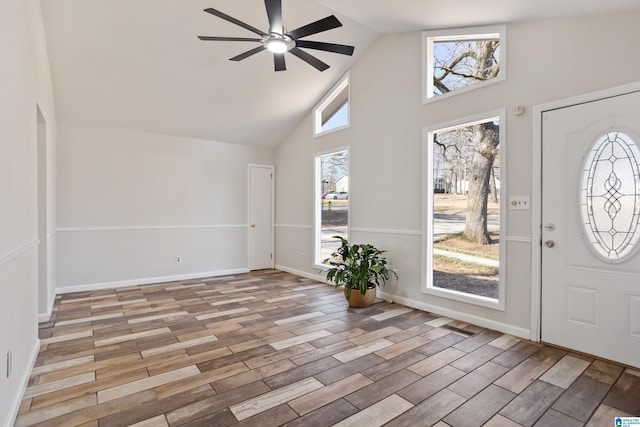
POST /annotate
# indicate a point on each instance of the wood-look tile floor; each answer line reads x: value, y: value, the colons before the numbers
x: 269, y: 348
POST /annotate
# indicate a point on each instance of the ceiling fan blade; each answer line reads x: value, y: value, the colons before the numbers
x: 247, y: 53
x: 309, y: 59
x: 274, y: 12
x: 279, y: 62
x: 328, y: 23
x: 229, y: 39
x: 234, y: 21
x: 327, y: 47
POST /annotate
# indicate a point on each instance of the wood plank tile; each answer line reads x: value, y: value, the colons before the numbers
x: 64, y: 394
x: 382, y: 389
x: 431, y: 384
x: 299, y: 339
x: 534, y: 401
x: 402, y: 347
x: 477, y: 357
x: 178, y: 346
x: 156, y: 407
x: 378, y: 414
x: 582, y: 398
x: 328, y: 394
x: 272, y: 417
x: 61, y: 384
x: 391, y: 313
x: 522, y: 375
x: 604, y: 372
x: 565, y: 372
x: 158, y: 421
x: 130, y: 337
x: 274, y: 331
x: 437, y: 361
x: 625, y: 394
x: 553, y: 418
x: 301, y: 372
x: 362, y: 350
x: 345, y: 370
x: 298, y: 318
x: 192, y: 382
x: 269, y: 400
x: 391, y: 366
x: 604, y: 414
x: 374, y: 336
x: 146, y: 383
x: 327, y: 415
x: 56, y: 410
x: 430, y: 411
x: 472, y: 383
x: 480, y: 408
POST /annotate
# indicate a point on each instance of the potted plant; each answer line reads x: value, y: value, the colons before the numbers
x: 358, y: 267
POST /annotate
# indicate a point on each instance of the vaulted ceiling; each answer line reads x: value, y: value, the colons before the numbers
x: 138, y: 64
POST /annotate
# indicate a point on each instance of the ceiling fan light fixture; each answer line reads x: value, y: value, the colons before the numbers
x: 277, y: 45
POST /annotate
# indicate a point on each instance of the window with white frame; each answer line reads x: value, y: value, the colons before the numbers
x: 458, y: 60
x: 332, y: 112
x: 464, y: 215
x: 331, y: 207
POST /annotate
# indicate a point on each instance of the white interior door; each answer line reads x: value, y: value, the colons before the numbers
x: 591, y: 228
x: 260, y: 217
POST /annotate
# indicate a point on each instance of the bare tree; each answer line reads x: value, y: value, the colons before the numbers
x: 461, y: 64
x: 485, y: 148
x: 334, y: 167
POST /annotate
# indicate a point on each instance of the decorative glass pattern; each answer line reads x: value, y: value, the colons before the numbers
x: 610, y: 197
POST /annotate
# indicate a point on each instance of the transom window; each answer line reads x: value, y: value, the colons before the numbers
x: 462, y: 59
x: 332, y: 113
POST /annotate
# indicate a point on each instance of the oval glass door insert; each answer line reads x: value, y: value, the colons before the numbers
x: 610, y: 197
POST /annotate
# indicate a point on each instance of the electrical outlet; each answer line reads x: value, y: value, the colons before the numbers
x: 178, y: 259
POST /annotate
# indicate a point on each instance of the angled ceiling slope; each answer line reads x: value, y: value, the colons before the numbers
x: 139, y: 64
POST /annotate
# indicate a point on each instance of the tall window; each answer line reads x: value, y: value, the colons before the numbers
x: 462, y: 59
x: 331, y: 202
x: 332, y: 113
x: 463, y: 212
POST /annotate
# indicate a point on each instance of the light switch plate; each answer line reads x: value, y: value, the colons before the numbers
x: 519, y: 202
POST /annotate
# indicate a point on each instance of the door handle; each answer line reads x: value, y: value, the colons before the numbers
x: 549, y: 243
x: 253, y: 226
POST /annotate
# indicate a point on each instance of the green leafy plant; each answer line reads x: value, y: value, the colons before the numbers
x: 358, y: 267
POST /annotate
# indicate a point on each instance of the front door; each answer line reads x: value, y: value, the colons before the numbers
x: 591, y: 228
x: 260, y: 217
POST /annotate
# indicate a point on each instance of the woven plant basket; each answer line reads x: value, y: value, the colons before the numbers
x: 358, y: 300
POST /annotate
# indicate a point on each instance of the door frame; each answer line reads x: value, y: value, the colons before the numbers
x: 536, y: 195
x: 250, y: 166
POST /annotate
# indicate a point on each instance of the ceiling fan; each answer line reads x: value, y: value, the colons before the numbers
x: 280, y: 41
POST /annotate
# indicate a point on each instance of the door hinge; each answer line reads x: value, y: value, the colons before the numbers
x: 271, y: 256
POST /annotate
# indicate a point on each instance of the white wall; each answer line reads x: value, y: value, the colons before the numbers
x: 547, y: 60
x: 24, y: 85
x: 129, y: 202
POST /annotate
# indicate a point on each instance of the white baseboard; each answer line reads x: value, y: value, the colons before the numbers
x: 44, y: 317
x: 147, y: 281
x: 318, y: 277
x: 462, y: 316
x: 24, y: 381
